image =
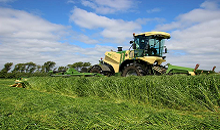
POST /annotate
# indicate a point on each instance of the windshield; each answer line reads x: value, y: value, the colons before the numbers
x: 149, y: 46
x: 141, y: 42
x: 155, y: 47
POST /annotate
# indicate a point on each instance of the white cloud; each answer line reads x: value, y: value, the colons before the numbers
x: 6, y: 1
x: 203, y: 14
x: 211, y: 5
x: 85, y: 39
x: 20, y: 24
x: 71, y: 1
x: 195, y: 33
x: 188, y: 19
x: 25, y: 37
x: 115, y: 29
x: 154, y: 10
x: 108, y: 6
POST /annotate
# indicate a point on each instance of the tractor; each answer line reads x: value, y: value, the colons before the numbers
x: 144, y: 57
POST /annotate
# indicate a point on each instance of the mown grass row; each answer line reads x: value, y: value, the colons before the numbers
x: 177, y: 92
x: 149, y: 102
x: 31, y: 109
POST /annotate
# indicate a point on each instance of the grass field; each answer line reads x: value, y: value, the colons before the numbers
x: 150, y: 102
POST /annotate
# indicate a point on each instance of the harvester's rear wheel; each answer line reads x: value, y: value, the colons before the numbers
x: 96, y: 69
x: 133, y: 69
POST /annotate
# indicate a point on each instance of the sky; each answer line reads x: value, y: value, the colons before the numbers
x: 69, y: 31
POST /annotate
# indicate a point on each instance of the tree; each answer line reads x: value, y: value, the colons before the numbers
x: 48, y: 66
x: 62, y: 68
x: 78, y: 65
x: 86, y: 64
x: 7, y: 67
x: 42, y: 69
x: 20, y: 67
x: 30, y: 67
x: 38, y: 68
x: 70, y: 66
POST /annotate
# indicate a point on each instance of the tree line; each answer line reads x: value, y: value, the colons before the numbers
x: 32, y: 69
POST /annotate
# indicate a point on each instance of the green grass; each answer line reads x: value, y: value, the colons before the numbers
x: 177, y: 92
x: 151, y: 102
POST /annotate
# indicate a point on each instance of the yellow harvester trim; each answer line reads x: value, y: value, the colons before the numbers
x: 149, y: 59
x: 113, y: 59
x: 152, y: 59
x: 164, y: 34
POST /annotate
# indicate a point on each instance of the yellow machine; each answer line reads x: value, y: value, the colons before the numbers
x: 143, y: 58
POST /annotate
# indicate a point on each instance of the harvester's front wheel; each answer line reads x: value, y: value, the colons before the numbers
x: 96, y: 69
x: 133, y: 69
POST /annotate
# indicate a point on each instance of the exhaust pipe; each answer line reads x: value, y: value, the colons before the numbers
x: 213, y: 69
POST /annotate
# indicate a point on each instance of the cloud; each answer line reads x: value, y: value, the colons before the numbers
x: 154, y: 10
x: 211, y: 5
x: 20, y: 25
x: 108, y: 6
x: 207, y: 12
x: 25, y: 37
x: 84, y: 39
x: 6, y: 1
x: 195, y: 33
x: 117, y: 30
x: 71, y: 1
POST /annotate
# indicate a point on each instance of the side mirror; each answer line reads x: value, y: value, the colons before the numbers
x: 165, y: 50
x: 131, y: 42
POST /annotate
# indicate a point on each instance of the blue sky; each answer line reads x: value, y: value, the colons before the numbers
x: 68, y: 31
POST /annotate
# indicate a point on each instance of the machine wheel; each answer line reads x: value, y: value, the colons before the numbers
x: 148, y: 70
x: 133, y: 69
x: 107, y: 73
x: 96, y: 69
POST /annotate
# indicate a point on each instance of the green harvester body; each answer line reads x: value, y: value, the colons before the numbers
x: 72, y: 72
x: 173, y: 69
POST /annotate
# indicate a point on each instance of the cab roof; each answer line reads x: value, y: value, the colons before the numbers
x: 161, y: 34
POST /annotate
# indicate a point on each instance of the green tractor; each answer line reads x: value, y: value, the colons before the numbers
x: 144, y: 57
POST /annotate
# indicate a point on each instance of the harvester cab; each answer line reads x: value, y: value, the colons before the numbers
x: 144, y: 57
x: 149, y: 44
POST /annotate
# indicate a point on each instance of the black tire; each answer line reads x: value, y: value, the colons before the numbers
x: 133, y: 69
x: 96, y: 69
x: 148, y: 70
